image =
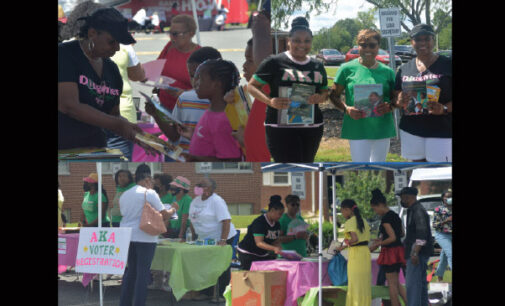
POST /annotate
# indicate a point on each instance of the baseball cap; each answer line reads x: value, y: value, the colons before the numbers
x: 421, y: 29
x: 91, y: 178
x: 407, y: 190
x: 110, y: 20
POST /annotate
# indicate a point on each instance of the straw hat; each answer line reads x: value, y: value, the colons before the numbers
x: 91, y: 178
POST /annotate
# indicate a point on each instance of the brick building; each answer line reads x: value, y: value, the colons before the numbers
x: 242, y: 185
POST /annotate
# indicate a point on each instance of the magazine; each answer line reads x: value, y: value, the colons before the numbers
x: 433, y: 93
x: 367, y: 97
x: 418, y: 103
x: 161, y: 146
x: 91, y: 154
x: 296, y: 226
x: 162, y: 112
x: 299, y: 111
x: 162, y: 82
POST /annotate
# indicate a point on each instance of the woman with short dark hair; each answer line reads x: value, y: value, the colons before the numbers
x: 124, y: 181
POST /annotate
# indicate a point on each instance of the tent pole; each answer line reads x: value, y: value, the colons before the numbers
x: 333, y: 181
x: 195, y: 16
x: 99, y: 172
x: 320, y: 255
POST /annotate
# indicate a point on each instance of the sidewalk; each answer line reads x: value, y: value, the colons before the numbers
x: 71, y: 292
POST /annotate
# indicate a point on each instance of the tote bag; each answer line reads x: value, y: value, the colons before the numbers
x: 151, y: 221
x: 337, y: 269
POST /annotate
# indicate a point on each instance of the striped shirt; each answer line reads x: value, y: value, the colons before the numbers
x: 188, y: 109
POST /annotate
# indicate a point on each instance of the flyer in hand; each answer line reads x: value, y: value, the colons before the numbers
x: 367, y: 97
x: 418, y: 103
x: 162, y: 82
x: 299, y: 112
x: 162, y: 112
x: 297, y: 226
x: 161, y: 146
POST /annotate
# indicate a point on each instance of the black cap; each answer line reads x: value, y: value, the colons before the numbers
x: 407, y: 190
x: 421, y: 29
x: 110, y: 20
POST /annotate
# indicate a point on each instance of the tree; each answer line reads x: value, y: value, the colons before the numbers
x: 282, y: 9
x: 358, y: 185
x: 413, y: 10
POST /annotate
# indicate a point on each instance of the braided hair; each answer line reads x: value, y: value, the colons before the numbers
x: 377, y: 197
x: 222, y: 70
x: 349, y: 203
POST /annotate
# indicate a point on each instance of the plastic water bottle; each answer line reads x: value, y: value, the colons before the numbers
x: 189, y: 235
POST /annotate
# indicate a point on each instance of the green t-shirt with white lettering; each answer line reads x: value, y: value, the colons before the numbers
x: 353, y: 73
x: 90, y: 207
x: 298, y: 245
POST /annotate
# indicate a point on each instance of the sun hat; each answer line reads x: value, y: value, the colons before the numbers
x: 421, y: 29
x: 91, y: 178
x: 181, y: 182
x: 110, y: 20
x: 407, y: 190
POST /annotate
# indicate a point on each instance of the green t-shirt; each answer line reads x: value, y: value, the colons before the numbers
x: 184, y: 204
x: 167, y: 199
x: 90, y: 207
x: 298, y: 245
x: 353, y: 73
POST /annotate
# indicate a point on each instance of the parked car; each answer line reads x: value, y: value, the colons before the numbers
x: 330, y: 56
x: 382, y: 56
x: 447, y: 53
x: 405, y: 52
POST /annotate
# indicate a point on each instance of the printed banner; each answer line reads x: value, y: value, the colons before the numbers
x: 62, y: 245
x: 103, y: 250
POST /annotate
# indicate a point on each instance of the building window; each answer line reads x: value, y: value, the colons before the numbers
x: 63, y: 168
x: 236, y: 209
x: 112, y: 168
x: 220, y: 167
x: 276, y: 179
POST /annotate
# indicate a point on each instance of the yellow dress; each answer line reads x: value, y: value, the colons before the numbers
x: 359, y: 266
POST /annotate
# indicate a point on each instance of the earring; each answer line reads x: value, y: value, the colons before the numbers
x: 91, y: 45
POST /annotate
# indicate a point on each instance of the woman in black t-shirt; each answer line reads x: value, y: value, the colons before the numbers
x: 391, y: 257
x: 90, y: 85
x: 425, y: 135
x: 284, y: 72
x: 263, y: 236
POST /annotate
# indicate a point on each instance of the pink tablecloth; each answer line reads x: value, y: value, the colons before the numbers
x: 302, y: 275
x: 68, y: 259
x: 139, y: 154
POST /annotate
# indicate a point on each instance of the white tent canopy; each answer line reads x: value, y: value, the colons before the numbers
x: 443, y: 173
x: 332, y: 167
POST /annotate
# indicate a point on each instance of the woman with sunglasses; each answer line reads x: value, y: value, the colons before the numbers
x: 292, y: 219
x: 426, y: 137
x: 176, y: 53
x: 369, y: 137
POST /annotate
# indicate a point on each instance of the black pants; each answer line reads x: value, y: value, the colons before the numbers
x: 222, y: 281
x: 293, y: 144
x: 246, y: 260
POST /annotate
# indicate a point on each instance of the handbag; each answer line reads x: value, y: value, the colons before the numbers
x: 151, y: 221
x: 337, y: 270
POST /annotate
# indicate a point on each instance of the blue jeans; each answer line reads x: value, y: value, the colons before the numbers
x: 117, y: 142
x: 137, y: 275
x: 416, y: 283
x: 445, y: 241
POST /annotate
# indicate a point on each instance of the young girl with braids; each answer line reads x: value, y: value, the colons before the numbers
x: 212, y: 138
x: 391, y: 257
x: 359, y: 264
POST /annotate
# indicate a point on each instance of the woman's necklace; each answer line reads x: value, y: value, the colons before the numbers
x: 375, y: 65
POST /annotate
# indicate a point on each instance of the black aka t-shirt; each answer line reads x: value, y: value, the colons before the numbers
x: 100, y: 93
x: 260, y: 227
x: 438, y: 74
x: 281, y: 71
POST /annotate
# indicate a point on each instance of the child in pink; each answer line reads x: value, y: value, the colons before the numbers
x: 212, y: 138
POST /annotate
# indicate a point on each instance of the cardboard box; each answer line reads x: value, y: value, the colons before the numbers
x: 258, y: 288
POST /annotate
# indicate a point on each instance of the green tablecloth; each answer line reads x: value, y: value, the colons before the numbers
x: 191, y: 267
x: 311, y: 297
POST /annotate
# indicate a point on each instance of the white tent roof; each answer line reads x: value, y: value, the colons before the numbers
x: 444, y: 173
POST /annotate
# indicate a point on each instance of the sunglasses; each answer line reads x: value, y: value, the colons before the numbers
x: 177, y: 33
x: 294, y: 204
x: 368, y: 45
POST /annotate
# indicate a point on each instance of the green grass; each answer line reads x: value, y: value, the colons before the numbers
x: 243, y: 221
x: 331, y: 71
x: 342, y: 154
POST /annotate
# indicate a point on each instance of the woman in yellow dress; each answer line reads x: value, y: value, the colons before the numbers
x: 359, y: 264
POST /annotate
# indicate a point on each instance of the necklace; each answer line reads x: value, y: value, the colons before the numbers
x: 375, y: 65
x: 89, y: 58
